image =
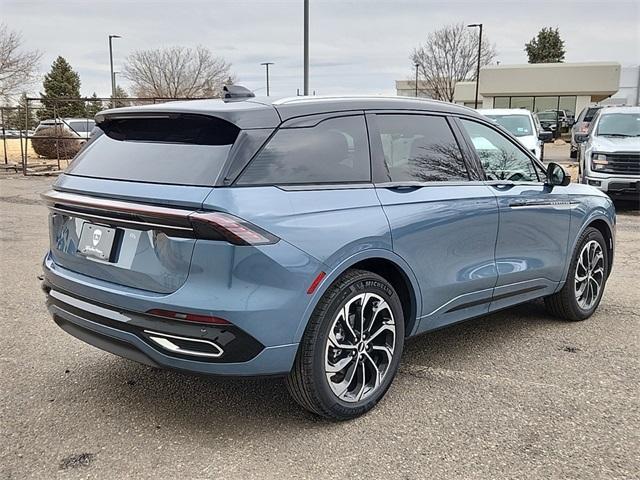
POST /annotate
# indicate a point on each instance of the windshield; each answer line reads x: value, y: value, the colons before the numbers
x: 547, y: 116
x: 82, y: 126
x: 619, y: 125
x: 518, y: 125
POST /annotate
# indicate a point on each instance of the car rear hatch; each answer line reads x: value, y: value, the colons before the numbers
x: 128, y: 210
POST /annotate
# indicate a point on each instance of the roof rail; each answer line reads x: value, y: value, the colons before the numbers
x: 232, y: 93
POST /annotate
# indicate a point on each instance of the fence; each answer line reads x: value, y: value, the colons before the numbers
x: 42, y: 135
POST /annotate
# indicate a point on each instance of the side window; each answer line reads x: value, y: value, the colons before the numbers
x: 501, y: 159
x: 420, y: 148
x: 334, y: 151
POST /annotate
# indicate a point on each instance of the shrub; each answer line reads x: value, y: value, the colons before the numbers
x: 68, y: 144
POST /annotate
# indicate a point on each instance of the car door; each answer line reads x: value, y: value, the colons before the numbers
x: 443, y: 218
x: 531, y: 249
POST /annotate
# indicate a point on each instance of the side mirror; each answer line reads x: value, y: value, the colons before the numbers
x: 556, y: 176
x: 545, y: 136
x: 581, y: 137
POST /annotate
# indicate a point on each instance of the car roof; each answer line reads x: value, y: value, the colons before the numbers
x: 505, y: 111
x: 266, y: 112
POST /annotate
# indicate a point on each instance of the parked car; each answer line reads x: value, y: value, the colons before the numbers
x: 522, y: 125
x: 309, y: 237
x: 81, y: 127
x: 581, y: 126
x: 549, y: 122
x: 610, y: 152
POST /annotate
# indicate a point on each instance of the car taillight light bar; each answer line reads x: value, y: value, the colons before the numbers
x: 179, y: 222
x: 230, y: 228
x: 188, y: 317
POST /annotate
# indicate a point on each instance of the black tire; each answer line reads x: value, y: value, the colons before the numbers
x: 307, y: 382
x: 564, y: 304
x: 573, y: 153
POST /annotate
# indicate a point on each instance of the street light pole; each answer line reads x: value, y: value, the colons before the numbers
x: 479, y: 54
x: 113, y: 77
x: 417, y: 65
x: 306, y: 47
x: 266, y: 64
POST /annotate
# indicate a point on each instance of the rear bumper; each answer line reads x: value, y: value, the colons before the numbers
x: 130, y: 335
x: 260, y: 340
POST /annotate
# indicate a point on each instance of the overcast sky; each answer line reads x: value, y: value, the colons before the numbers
x: 355, y: 46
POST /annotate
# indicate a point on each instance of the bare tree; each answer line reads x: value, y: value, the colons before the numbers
x: 176, y: 72
x: 18, y: 68
x: 450, y: 55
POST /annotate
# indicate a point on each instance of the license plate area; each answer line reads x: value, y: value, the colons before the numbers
x: 96, y: 241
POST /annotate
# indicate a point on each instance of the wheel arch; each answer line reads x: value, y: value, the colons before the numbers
x: 604, y: 224
x: 607, y: 232
x: 388, y: 265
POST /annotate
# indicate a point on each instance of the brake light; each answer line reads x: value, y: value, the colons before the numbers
x: 188, y: 317
x: 584, y: 127
x: 223, y: 226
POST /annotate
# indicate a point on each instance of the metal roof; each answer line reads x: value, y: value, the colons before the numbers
x: 266, y: 112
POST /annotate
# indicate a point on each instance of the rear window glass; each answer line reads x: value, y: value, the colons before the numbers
x: 588, y: 116
x: 333, y: 151
x: 177, y: 149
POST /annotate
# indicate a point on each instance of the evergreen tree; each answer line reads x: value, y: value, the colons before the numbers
x: 61, y: 82
x: 19, y: 118
x: 547, y: 47
x: 120, y: 94
x: 94, y: 106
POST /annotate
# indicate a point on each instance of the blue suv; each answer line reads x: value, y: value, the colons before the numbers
x: 309, y: 237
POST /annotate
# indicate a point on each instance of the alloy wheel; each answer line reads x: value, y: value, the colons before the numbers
x: 360, y: 347
x: 589, y: 276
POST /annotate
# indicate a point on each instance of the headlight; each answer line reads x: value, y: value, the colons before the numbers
x: 599, y: 161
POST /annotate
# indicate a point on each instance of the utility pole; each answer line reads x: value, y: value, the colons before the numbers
x: 113, y: 77
x: 417, y: 65
x: 266, y: 64
x: 479, y: 54
x: 306, y: 48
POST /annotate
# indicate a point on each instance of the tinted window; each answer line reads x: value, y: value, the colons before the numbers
x: 334, y: 151
x: 183, y: 150
x: 501, y: 159
x: 588, y: 116
x: 420, y: 148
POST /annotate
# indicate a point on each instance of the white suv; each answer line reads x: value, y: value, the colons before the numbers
x: 81, y: 127
x: 522, y: 125
x: 610, y: 156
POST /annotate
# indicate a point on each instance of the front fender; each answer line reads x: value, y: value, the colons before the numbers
x: 596, y: 208
x: 347, y: 263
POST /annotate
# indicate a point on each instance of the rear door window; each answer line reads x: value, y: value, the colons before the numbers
x: 334, y: 151
x: 420, y: 148
x: 173, y: 149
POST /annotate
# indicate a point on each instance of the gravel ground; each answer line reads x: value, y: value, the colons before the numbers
x: 516, y: 394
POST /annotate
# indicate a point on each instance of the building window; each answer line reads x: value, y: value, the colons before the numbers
x: 501, y: 102
x: 538, y: 104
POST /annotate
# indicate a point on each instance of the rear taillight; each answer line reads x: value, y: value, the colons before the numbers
x: 188, y: 317
x: 223, y: 226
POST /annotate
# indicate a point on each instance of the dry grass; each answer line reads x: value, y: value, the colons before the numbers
x: 14, y: 154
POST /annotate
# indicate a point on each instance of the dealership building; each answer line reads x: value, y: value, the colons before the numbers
x: 544, y: 86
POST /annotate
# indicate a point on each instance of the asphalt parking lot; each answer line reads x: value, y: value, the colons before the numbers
x: 517, y: 394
